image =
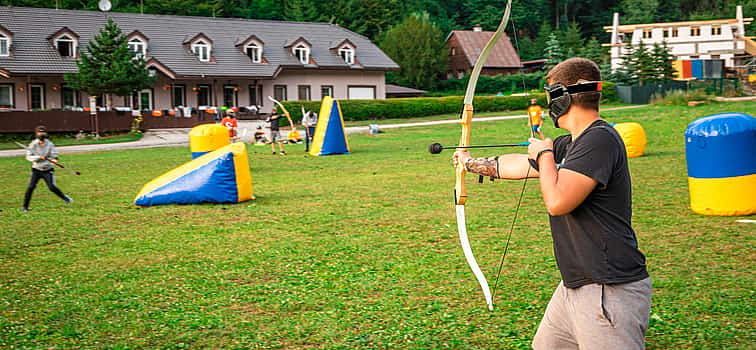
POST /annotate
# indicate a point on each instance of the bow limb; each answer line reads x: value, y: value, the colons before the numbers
x: 286, y: 112
x: 460, y: 192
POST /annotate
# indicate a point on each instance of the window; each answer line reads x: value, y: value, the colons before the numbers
x: 453, y: 51
x: 279, y: 92
x: 202, y: 50
x: 37, y: 92
x: 6, y: 95
x: 4, y: 45
x: 647, y: 33
x: 716, y: 30
x: 203, y: 95
x: 179, y: 95
x: 254, y: 52
x: 69, y: 97
x: 303, y: 53
x: 666, y: 33
x: 460, y: 74
x: 138, y: 48
x: 695, y: 31
x: 66, y: 46
x: 142, y: 100
x: 361, y: 92
x: 304, y: 92
x: 230, y: 96
x: 326, y: 90
x: 347, y: 54
x: 255, y: 95
x: 675, y: 33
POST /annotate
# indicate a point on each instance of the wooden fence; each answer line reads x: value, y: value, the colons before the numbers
x: 68, y: 121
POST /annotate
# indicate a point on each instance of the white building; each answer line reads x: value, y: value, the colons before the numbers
x: 722, y: 38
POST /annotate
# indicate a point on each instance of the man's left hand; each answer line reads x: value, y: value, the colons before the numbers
x: 537, y: 145
x: 460, y: 157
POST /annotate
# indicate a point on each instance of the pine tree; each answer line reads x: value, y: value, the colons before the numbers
x: 593, y: 51
x: 109, y: 67
x: 301, y: 10
x: 663, y: 59
x: 573, y: 40
x: 418, y: 46
x: 553, y: 52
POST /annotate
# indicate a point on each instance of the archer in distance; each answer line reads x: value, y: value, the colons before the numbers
x: 604, y: 298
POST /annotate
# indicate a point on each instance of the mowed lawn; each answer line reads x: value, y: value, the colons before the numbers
x: 342, y: 252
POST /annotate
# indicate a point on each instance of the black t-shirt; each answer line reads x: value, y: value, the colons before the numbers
x: 595, y: 243
x: 273, y: 121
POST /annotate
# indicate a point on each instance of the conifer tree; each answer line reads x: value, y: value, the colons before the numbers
x: 663, y: 59
x: 109, y: 67
x: 553, y: 52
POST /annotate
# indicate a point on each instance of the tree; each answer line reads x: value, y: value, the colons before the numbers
x: 639, y: 11
x: 593, y: 51
x: 108, y: 67
x: 301, y: 10
x: 553, y: 52
x: 418, y: 46
x: 638, y: 67
x: 573, y: 40
x: 663, y: 59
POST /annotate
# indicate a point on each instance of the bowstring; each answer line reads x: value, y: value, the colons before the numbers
x: 524, y: 183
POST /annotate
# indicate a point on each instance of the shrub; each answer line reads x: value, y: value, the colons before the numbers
x: 609, y: 93
x: 681, y: 98
x: 415, y: 107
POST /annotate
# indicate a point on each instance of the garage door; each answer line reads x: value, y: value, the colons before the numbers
x: 361, y: 92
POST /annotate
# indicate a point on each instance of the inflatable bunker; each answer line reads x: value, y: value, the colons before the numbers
x: 221, y: 176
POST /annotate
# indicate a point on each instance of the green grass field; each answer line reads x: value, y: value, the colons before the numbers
x: 342, y: 252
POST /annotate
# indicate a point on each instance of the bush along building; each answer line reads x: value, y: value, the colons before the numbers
x: 198, y: 62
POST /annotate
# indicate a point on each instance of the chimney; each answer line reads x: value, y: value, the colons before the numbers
x: 477, y: 28
x: 739, y: 16
x: 615, y: 29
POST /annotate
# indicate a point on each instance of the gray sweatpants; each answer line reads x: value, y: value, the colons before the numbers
x: 596, y: 316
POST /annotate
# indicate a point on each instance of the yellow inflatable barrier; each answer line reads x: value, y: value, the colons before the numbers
x: 730, y: 196
x: 634, y: 138
x: 206, y: 138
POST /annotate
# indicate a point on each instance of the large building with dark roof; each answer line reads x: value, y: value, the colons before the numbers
x: 198, y: 61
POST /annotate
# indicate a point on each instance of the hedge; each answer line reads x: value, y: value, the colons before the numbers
x: 496, y: 84
x: 415, y: 107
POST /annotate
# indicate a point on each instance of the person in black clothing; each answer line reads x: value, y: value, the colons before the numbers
x: 39, y: 153
x: 604, y: 298
x: 275, y: 135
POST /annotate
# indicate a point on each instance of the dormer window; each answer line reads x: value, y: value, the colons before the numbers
x: 303, y: 53
x: 4, y: 45
x: 202, y: 50
x: 138, y: 48
x: 66, y: 46
x: 347, y: 54
x: 254, y: 52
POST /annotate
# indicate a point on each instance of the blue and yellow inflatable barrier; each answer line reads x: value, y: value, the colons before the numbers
x: 221, y: 176
x: 206, y: 138
x: 330, y: 137
x: 634, y: 137
x: 721, y: 164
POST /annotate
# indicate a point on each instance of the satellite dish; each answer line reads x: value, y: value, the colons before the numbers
x: 104, y: 5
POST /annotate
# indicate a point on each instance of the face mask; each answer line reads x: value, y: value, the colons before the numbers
x: 559, y: 99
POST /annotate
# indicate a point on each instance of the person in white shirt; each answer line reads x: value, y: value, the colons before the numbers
x: 39, y: 153
x: 309, y: 121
